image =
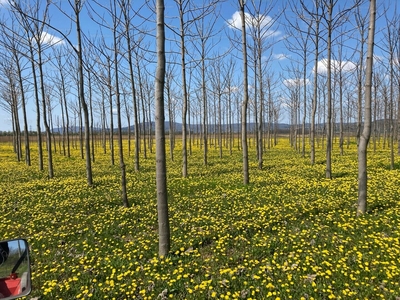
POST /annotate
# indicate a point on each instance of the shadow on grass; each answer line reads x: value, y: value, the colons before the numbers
x: 378, y: 207
x: 386, y: 166
x: 341, y: 174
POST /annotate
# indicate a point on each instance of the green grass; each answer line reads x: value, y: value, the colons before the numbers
x: 289, y: 234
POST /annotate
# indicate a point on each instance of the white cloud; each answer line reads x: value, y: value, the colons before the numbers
x: 280, y: 56
x: 50, y: 39
x: 294, y: 82
x: 232, y: 89
x: 235, y: 22
x: 345, y: 66
x: 263, y: 21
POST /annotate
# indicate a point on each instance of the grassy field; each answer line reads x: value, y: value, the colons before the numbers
x: 290, y: 234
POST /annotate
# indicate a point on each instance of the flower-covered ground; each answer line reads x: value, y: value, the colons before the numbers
x: 290, y: 234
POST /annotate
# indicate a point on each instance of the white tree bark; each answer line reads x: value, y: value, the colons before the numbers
x: 364, y: 138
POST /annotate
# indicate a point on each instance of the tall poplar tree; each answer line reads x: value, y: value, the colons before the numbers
x: 161, y: 168
x: 245, y: 102
x: 364, y: 138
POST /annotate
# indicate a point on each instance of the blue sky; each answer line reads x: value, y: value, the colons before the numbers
x: 281, y: 59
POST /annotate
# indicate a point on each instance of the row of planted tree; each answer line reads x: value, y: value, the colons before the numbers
x: 95, y: 80
x: 223, y: 138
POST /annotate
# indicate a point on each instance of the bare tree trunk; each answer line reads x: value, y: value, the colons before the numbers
x: 66, y: 116
x: 127, y: 19
x: 144, y: 124
x: 128, y: 119
x: 185, y: 94
x: 190, y: 130
x: 390, y: 36
x: 15, y: 118
x: 245, y: 98
x: 110, y: 100
x: 391, y: 129
x: 219, y: 125
x: 103, y: 123
x: 63, y: 149
x: 150, y: 122
x: 80, y: 129
x: 15, y: 53
x: 303, y: 123
x: 328, y: 172
x: 30, y: 39
x: 44, y: 109
x: 89, y: 176
x: 122, y: 166
x: 170, y: 114
x: 161, y: 169
x: 91, y: 115
x: 364, y: 138
x: 135, y: 110
x: 14, y: 129
x: 385, y: 117
x: 230, y: 117
x: 239, y: 133
x: 26, y: 131
x: 218, y: 86
x: 315, y: 89
x: 261, y: 111
x: 205, y: 108
x: 341, y: 126
x: 270, y: 114
x: 48, y: 97
x: 38, y: 118
x: 360, y: 20
x: 374, y: 137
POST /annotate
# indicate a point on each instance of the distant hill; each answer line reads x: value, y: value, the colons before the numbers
x: 197, y: 128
